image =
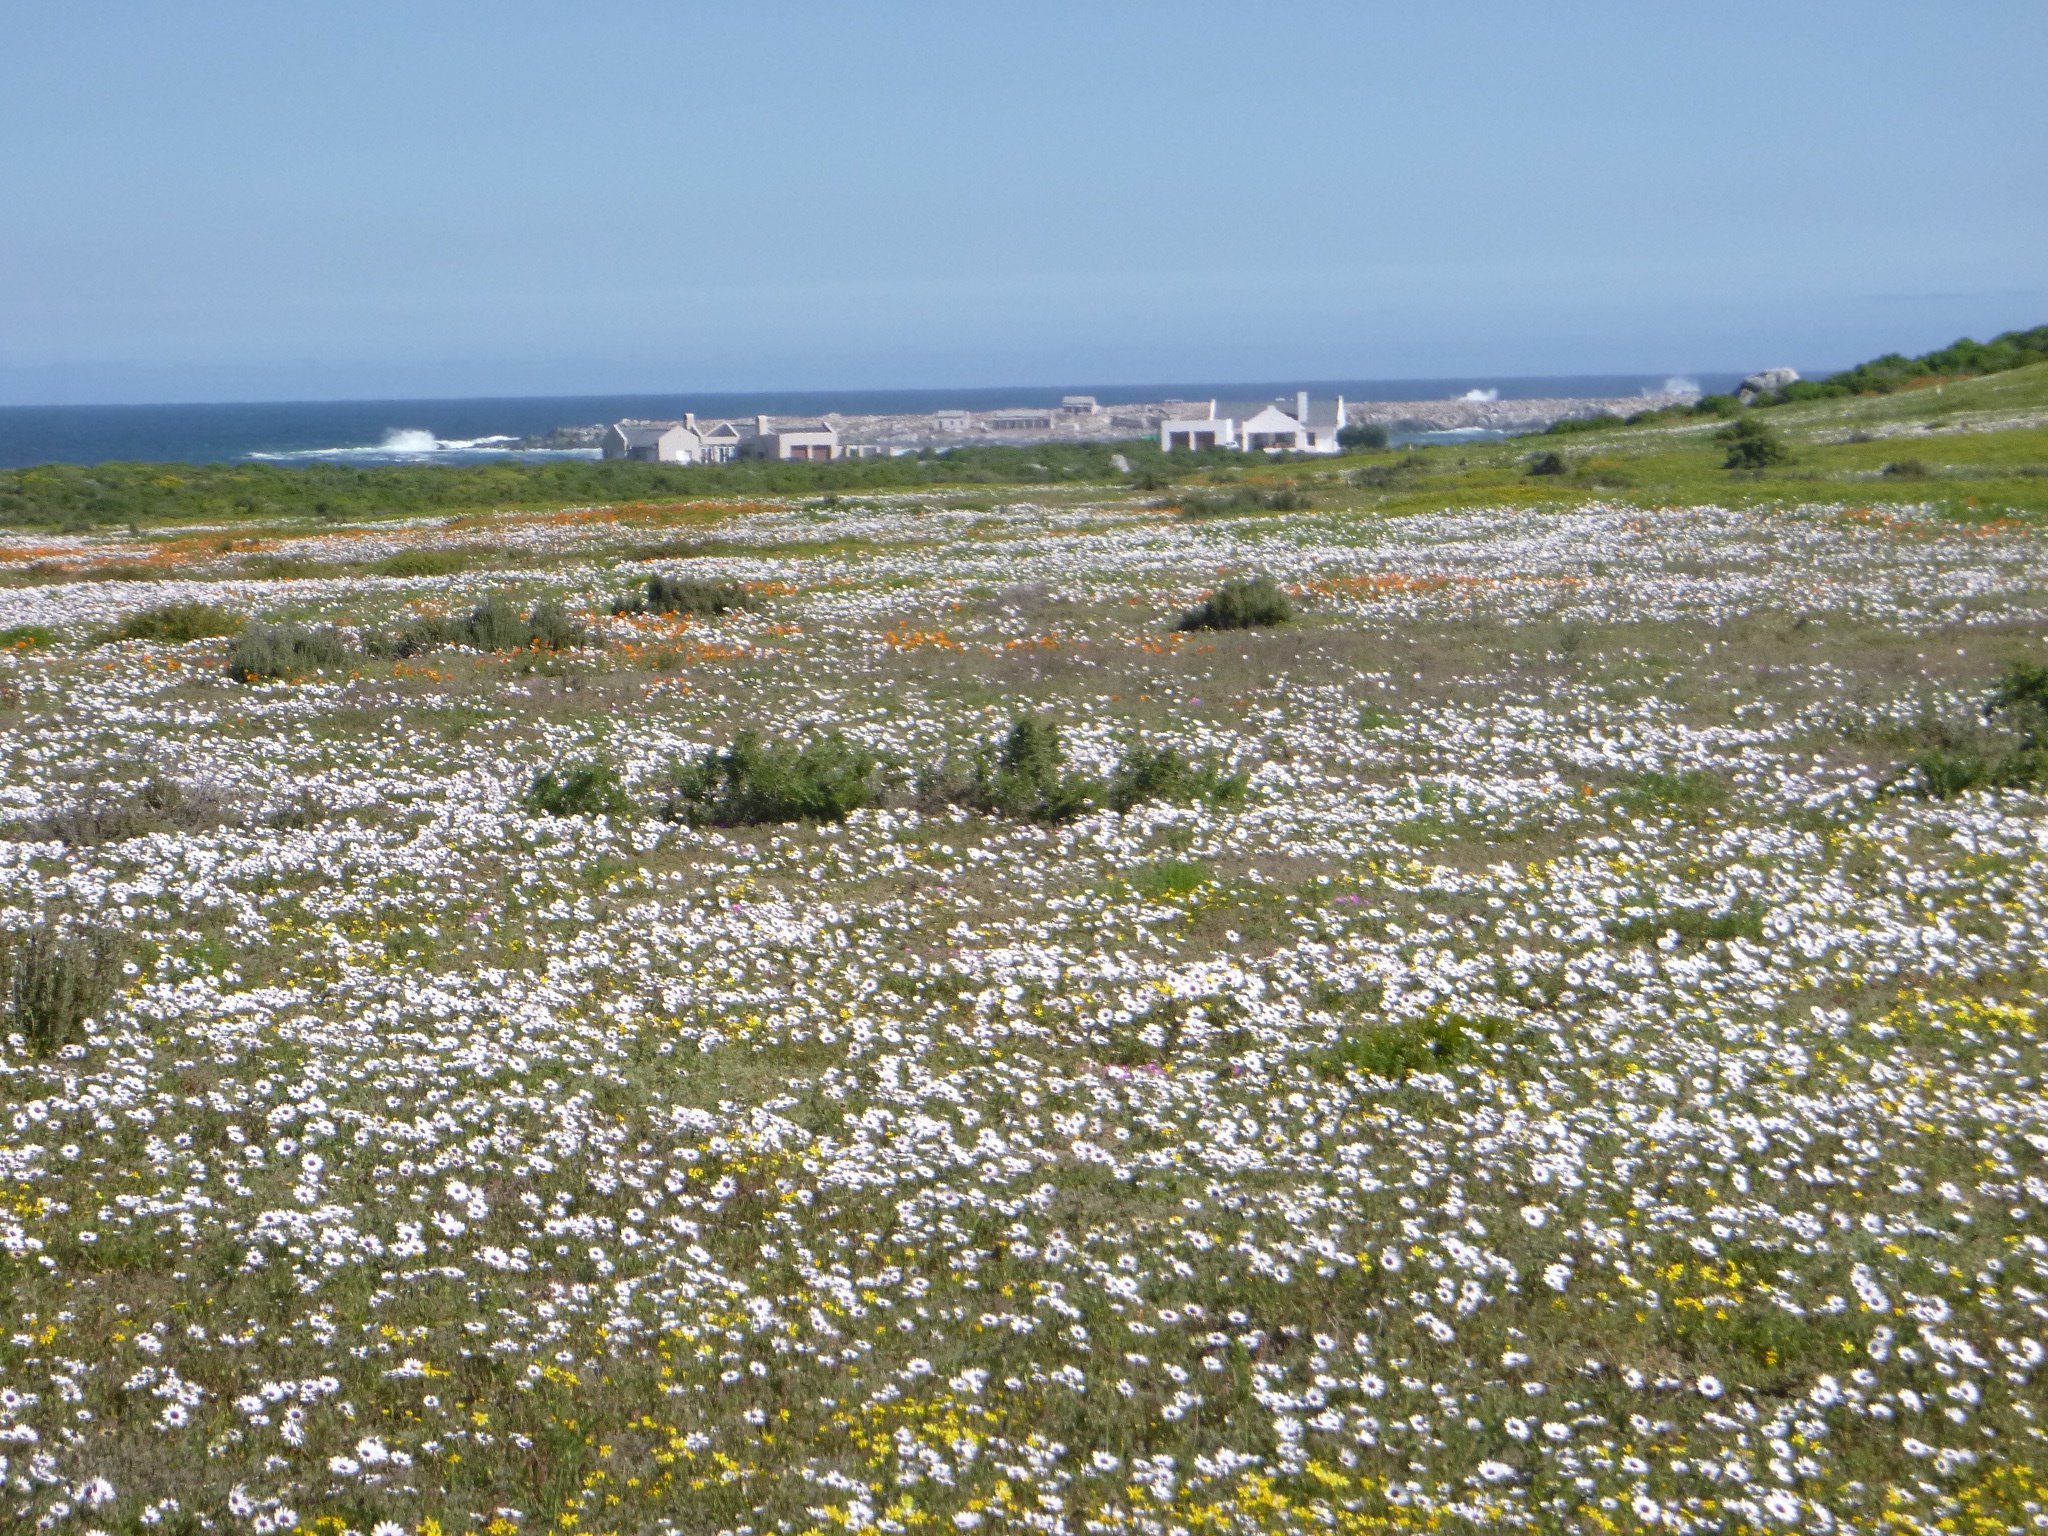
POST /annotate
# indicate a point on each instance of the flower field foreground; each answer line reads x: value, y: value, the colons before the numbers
x: 1579, y: 1085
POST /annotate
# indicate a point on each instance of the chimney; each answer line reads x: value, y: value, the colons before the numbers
x: 761, y: 425
x: 690, y: 420
x: 1301, y: 405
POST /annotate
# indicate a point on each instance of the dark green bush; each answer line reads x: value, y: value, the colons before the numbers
x: 284, y: 650
x: 1549, y: 464
x: 177, y: 624
x: 2018, y: 702
x: 1238, y: 500
x: 55, y: 979
x: 752, y: 782
x: 1163, y: 774
x: 687, y: 595
x: 1905, y: 469
x: 495, y: 624
x: 578, y: 789
x: 424, y: 562
x: 1026, y: 777
x: 1717, y: 405
x: 1564, y: 426
x: 1390, y: 476
x: 1363, y: 437
x: 1251, y: 603
x: 1959, y: 359
x: 2021, y: 695
x: 1752, y: 445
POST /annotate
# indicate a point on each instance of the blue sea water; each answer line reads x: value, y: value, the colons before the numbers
x: 460, y: 431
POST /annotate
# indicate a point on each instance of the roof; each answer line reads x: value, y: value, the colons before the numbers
x: 1269, y: 418
x: 646, y: 434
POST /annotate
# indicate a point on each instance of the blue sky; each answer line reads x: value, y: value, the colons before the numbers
x: 228, y: 200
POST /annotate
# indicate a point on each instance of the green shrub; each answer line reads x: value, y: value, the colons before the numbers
x: 1959, y: 359
x: 2019, y: 702
x: 177, y: 624
x: 578, y: 789
x: 1753, y: 445
x: 2021, y: 695
x: 23, y: 637
x: 1565, y: 426
x: 1163, y: 774
x: 1905, y: 469
x: 495, y: 624
x: 424, y: 562
x: 1363, y: 437
x: 1548, y: 464
x: 688, y: 595
x: 752, y: 783
x: 1242, y: 499
x: 55, y: 979
x: 1026, y: 777
x: 1241, y: 604
x: 284, y: 650
x: 1390, y: 476
x: 1717, y: 405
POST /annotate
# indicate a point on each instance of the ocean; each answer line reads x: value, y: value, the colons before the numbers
x: 467, y: 431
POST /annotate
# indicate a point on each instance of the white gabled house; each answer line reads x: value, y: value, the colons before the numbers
x: 672, y: 442
x: 1299, y: 425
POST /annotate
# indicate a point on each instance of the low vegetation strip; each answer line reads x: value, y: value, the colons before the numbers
x: 1547, y: 1038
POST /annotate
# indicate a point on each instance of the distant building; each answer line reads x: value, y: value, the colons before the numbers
x: 1281, y: 426
x: 1079, y: 405
x: 952, y: 421
x: 1021, y: 421
x: 807, y: 440
x: 671, y: 442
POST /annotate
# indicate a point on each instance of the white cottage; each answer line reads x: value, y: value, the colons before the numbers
x: 1299, y: 425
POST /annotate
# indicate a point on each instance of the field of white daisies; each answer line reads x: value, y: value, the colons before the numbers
x: 1578, y: 1086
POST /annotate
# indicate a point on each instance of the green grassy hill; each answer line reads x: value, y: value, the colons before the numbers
x: 1974, y: 449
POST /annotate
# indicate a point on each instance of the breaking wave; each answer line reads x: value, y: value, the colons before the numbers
x: 417, y: 445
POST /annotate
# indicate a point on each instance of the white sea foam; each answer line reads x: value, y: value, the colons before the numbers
x: 413, y: 444
x: 1481, y: 396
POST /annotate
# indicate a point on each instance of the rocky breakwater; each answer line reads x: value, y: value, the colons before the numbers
x: 1469, y: 413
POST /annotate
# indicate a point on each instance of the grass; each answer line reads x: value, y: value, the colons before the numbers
x: 176, y: 624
